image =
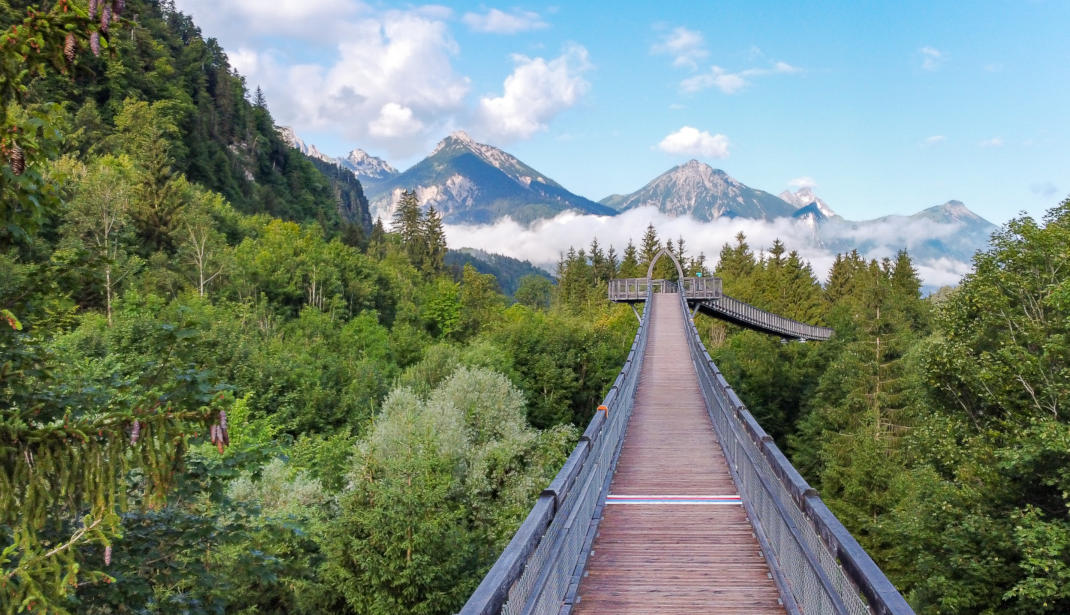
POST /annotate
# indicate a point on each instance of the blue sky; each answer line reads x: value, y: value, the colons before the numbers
x: 883, y: 107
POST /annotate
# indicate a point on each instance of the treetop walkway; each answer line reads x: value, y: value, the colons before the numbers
x: 676, y: 501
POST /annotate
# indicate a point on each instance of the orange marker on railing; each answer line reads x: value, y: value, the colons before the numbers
x: 603, y: 409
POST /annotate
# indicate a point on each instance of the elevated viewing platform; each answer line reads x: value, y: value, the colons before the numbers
x: 633, y: 290
x: 705, y: 296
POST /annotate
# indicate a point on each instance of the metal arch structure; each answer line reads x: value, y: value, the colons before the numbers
x: 654, y: 261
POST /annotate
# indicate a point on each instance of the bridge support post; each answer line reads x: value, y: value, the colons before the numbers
x: 636, y: 312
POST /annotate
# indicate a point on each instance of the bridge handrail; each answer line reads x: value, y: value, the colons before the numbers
x: 769, y: 321
x: 541, y: 564
x: 827, y: 571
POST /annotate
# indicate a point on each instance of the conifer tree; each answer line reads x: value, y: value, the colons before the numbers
x: 611, y: 262
x: 735, y: 266
x: 435, y: 239
x: 629, y: 265
x: 259, y: 101
x: 650, y: 246
x: 377, y: 241
x: 409, y: 225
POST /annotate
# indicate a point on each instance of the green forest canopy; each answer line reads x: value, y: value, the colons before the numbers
x: 170, y: 269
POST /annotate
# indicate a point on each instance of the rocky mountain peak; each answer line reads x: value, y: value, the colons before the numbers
x: 804, y: 197
x: 698, y: 190
x: 366, y: 167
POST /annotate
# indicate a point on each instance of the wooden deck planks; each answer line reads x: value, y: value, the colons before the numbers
x: 666, y: 557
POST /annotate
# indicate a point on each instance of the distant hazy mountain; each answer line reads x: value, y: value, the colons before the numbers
x: 803, y: 198
x: 950, y: 230
x: 290, y: 138
x: 508, y: 271
x: 470, y: 182
x: 367, y: 168
x: 704, y: 193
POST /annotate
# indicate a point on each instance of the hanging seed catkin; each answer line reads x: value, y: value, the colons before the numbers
x: 70, y: 45
x: 119, y: 5
x: 224, y: 430
x: 17, y: 159
x: 105, y: 18
x: 107, y: 555
x: 94, y: 43
x: 92, y: 9
x: 135, y: 432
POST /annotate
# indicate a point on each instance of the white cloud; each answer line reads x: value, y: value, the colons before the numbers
x: 394, y: 121
x: 931, y: 58
x: 245, y: 61
x: 1044, y: 189
x: 685, y: 46
x: 730, y: 83
x: 535, y: 92
x: 691, y: 141
x: 385, y: 79
x: 993, y: 142
x: 496, y: 21
x: 543, y: 242
x: 803, y: 182
x: 933, y: 140
x: 242, y: 20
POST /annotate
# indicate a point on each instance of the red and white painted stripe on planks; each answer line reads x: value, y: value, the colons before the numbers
x: 672, y: 499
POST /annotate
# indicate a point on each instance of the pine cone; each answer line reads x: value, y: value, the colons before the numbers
x: 70, y: 45
x: 135, y: 432
x: 92, y: 9
x: 17, y: 159
x: 94, y: 43
x: 119, y: 5
x: 107, y: 555
x: 105, y: 18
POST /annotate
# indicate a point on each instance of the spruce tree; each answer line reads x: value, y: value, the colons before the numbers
x: 258, y: 99
x: 650, y: 246
x: 409, y: 225
x: 736, y: 266
x: 435, y: 240
x: 629, y: 265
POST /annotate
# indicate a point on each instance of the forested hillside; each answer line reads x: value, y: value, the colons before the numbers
x: 218, y: 394
x: 223, y: 391
x: 935, y: 428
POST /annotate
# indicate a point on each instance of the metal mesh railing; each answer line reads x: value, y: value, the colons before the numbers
x: 823, y: 565
x: 747, y: 315
x: 708, y: 293
x: 537, y: 568
x: 637, y: 289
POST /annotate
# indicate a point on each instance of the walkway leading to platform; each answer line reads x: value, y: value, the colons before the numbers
x: 674, y: 537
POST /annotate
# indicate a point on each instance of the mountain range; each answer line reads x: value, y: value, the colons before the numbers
x: 367, y: 168
x: 704, y: 193
x: 475, y: 183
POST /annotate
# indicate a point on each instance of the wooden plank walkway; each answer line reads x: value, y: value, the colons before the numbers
x: 659, y: 552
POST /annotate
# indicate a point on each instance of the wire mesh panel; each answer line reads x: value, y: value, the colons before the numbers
x: 774, y: 492
x: 748, y: 315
